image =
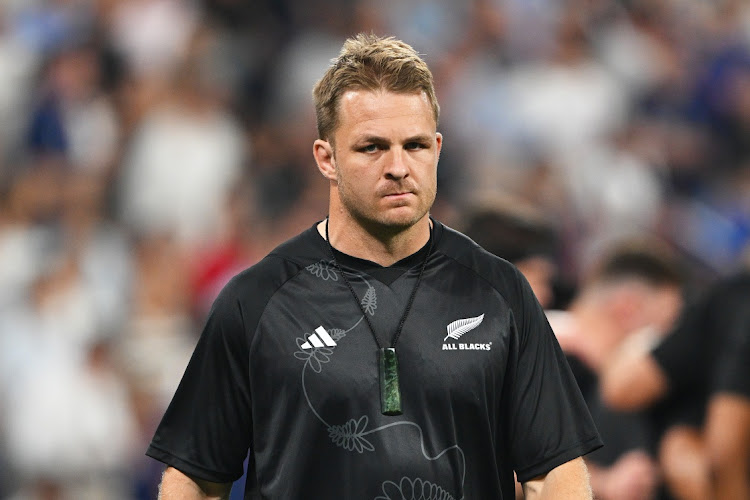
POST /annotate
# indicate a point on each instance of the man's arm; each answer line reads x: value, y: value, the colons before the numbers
x: 633, y: 476
x: 728, y: 443
x: 175, y: 485
x: 632, y: 380
x: 569, y: 481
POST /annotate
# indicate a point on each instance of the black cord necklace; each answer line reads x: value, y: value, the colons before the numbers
x: 390, y: 388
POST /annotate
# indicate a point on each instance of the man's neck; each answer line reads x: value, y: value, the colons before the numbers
x: 356, y: 241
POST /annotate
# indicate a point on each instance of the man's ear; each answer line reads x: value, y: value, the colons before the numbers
x: 439, y: 143
x: 323, y: 153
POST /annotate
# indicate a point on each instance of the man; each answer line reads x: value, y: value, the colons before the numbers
x: 379, y: 354
x: 699, y: 376
x: 510, y: 229
x: 728, y: 422
x: 633, y: 295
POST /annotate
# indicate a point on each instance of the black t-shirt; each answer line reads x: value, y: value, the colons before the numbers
x: 494, y: 397
x: 708, y: 350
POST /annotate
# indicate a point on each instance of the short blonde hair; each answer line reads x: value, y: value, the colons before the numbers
x: 373, y: 63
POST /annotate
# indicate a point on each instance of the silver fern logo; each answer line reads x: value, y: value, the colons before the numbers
x: 459, y: 328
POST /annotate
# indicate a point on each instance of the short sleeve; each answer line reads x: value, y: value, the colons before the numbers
x: 549, y: 422
x: 206, y: 430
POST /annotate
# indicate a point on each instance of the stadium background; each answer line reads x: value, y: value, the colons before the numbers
x: 149, y: 149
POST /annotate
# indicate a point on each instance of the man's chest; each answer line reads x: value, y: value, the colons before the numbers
x: 315, y: 341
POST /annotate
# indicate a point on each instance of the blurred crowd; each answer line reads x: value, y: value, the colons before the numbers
x: 150, y: 149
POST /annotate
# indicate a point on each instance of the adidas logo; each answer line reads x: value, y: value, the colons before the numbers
x: 322, y: 339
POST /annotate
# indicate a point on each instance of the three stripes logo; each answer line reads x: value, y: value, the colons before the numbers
x: 322, y: 339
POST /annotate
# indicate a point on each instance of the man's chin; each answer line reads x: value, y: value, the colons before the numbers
x: 400, y: 220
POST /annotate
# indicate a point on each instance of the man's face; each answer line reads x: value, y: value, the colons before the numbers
x: 644, y: 305
x: 385, y: 156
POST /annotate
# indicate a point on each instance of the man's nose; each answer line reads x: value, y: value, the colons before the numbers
x: 397, y: 167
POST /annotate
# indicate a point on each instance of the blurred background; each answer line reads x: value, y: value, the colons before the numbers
x: 150, y: 149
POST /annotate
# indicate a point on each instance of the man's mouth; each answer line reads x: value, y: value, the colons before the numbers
x: 398, y: 196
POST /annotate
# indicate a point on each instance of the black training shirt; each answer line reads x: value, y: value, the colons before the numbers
x: 485, y: 387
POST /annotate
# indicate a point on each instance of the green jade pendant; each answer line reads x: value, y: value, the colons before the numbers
x: 390, y: 390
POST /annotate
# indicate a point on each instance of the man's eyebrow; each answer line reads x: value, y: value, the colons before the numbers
x: 419, y: 138
x: 372, y: 139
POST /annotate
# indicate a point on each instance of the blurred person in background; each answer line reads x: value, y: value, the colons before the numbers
x: 185, y: 156
x: 696, y: 372
x: 633, y: 294
x: 153, y: 36
x: 18, y: 62
x: 518, y: 233
x: 154, y: 342
x: 74, y: 120
x: 71, y: 428
x: 27, y: 202
x: 67, y: 419
x: 565, y: 115
x: 515, y: 231
x: 727, y: 432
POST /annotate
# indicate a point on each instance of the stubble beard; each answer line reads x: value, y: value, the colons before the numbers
x: 377, y: 222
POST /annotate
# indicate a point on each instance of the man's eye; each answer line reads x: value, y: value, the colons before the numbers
x: 370, y: 148
x: 414, y: 145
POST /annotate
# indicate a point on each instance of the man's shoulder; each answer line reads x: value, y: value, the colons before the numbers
x: 279, y: 265
x: 466, y: 252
